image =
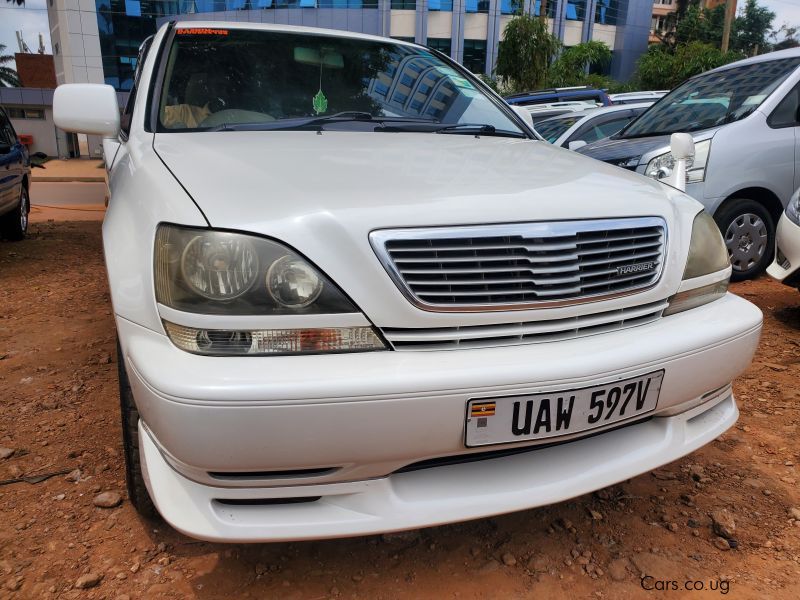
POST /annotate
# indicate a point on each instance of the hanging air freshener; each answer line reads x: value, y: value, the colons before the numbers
x: 320, y: 102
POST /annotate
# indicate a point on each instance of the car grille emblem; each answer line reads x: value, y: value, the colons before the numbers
x: 637, y: 268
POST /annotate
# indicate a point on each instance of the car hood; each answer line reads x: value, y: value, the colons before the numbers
x: 628, y: 152
x: 624, y: 152
x: 323, y: 193
x: 267, y: 179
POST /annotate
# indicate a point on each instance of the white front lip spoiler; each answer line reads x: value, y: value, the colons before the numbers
x: 431, y: 496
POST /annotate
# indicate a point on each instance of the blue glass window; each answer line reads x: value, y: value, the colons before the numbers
x: 576, y: 10
x: 381, y: 88
x: 475, y: 55
x: 443, y: 45
x: 476, y: 6
x: 443, y: 5
x: 133, y: 8
x: 606, y: 12
x: 511, y: 7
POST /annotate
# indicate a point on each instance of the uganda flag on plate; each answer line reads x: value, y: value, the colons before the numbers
x: 482, y: 409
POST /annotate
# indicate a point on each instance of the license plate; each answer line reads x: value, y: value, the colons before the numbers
x: 560, y: 413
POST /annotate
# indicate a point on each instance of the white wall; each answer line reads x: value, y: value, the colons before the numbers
x: 42, y: 130
x: 440, y: 24
x: 76, y: 47
x: 403, y: 23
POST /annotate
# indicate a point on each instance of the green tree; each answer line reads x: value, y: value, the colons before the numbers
x: 661, y: 68
x: 790, y: 36
x: 524, y: 55
x: 752, y: 28
x: 571, y: 67
x: 700, y: 25
x: 8, y: 76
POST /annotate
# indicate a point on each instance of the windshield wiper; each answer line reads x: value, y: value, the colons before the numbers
x: 453, y: 128
x: 479, y: 129
x: 301, y: 123
x: 316, y: 123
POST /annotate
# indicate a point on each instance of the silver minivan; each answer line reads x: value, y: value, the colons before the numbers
x: 744, y: 118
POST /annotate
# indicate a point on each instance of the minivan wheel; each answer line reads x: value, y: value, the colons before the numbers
x: 137, y: 490
x: 749, y: 234
x: 14, y: 225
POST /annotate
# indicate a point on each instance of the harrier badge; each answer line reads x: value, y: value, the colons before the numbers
x: 637, y: 268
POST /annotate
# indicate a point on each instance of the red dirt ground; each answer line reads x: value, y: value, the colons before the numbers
x: 59, y: 411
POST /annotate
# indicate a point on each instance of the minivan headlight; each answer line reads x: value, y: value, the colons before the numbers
x: 221, y: 272
x: 708, y: 255
x: 661, y: 166
x: 793, y: 209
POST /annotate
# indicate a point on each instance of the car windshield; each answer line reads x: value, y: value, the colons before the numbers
x: 242, y: 78
x: 712, y: 99
x: 554, y: 128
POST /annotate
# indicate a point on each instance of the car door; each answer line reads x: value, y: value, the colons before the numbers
x: 11, y: 165
x: 787, y: 116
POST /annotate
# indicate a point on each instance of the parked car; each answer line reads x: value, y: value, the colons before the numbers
x: 341, y: 311
x: 745, y: 122
x: 565, y: 94
x: 786, y: 266
x: 636, y: 97
x: 588, y: 126
x: 15, y: 178
x: 540, y: 112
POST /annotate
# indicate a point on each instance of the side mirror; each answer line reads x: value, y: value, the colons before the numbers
x: 89, y: 108
x: 681, y: 147
x: 524, y: 114
x: 575, y: 144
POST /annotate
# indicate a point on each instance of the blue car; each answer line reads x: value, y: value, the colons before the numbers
x: 581, y: 93
x: 15, y: 177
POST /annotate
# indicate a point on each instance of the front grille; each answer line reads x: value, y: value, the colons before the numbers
x: 497, y: 267
x: 512, y: 334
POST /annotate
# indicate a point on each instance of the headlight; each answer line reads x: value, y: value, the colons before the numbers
x: 218, y: 342
x: 707, y: 256
x: 793, y: 209
x: 223, y: 273
x: 661, y: 166
x: 220, y: 272
x: 293, y: 283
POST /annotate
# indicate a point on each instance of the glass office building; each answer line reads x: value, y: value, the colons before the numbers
x: 467, y: 30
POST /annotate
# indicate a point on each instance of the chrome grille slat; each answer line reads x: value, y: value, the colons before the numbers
x: 512, y: 334
x: 500, y: 267
x: 531, y: 259
x: 513, y: 246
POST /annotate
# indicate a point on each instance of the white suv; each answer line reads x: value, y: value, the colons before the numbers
x: 355, y: 294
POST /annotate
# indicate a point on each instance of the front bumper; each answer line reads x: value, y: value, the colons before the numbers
x: 217, y: 432
x: 787, y: 255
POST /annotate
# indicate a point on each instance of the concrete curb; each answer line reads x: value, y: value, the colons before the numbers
x: 90, y: 179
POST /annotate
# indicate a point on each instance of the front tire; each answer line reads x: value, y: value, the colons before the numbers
x: 14, y: 225
x: 749, y: 233
x: 137, y: 490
